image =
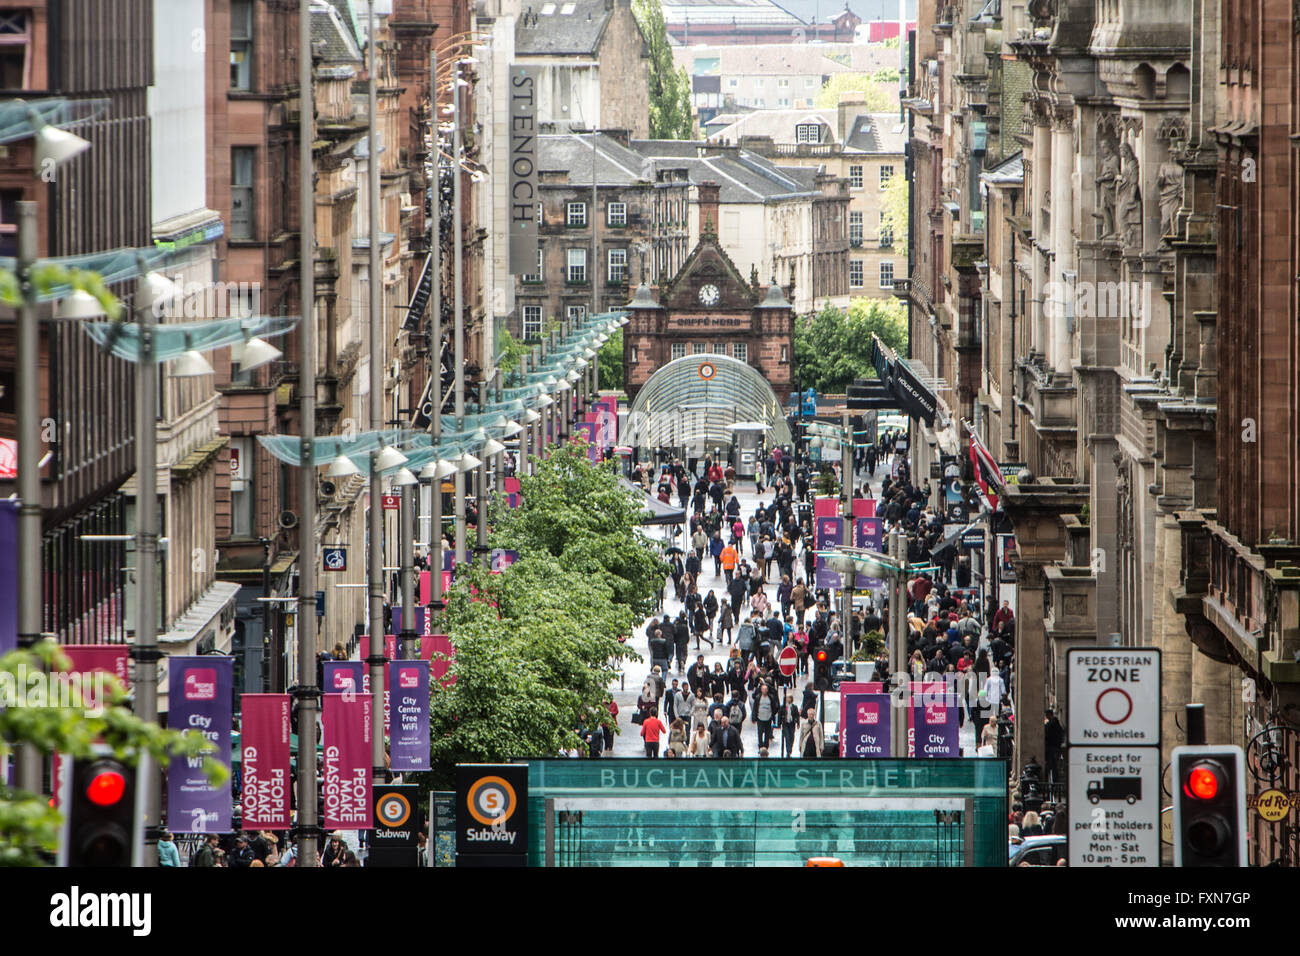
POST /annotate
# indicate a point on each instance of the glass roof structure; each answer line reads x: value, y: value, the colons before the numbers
x: 698, y: 397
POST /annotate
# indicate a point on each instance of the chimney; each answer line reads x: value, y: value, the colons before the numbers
x: 852, y: 104
x: 708, y: 198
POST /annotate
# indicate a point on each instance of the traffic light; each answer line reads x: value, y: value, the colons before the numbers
x: 102, y: 821
x: 1209, y: 806
x: 821, y: 669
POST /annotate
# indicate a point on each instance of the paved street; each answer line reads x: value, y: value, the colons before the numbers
x: 628, y: 742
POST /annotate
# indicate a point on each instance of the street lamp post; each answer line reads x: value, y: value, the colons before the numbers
x: 898, y: 665
x: 376, y: 658
x: 307, y: 693
x: 846, y: 509
x: 458, y: 298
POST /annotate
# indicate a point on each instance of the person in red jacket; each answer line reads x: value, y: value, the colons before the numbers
x: 651, y: 729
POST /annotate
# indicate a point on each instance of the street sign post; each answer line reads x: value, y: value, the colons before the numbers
x: 1114, y: 767
x: 1114, y: 696
x: 788, y: 660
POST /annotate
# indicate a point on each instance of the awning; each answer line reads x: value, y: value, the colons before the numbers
x: 952, y: 534
x: 657, y: 512
x: 201, y: 613
x: 898, y: 376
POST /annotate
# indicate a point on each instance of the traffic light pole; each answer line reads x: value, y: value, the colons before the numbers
x: 846, y: 508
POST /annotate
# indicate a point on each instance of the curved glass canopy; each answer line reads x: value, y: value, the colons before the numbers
x: 698, y: 398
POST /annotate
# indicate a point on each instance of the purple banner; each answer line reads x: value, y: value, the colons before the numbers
x: 869, y: 533
x: 346, y: 677
x: 502, y: 558
x: 8, y: 576
x: 935, y: 724
x: 830, y: 535
x: 264, y: 761
x: 199, y: 697
x: 865, y: 725
x: 347, y: 727
x: 409, y: 739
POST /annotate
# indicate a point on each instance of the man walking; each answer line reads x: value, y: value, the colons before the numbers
x: 789, y: 724
x: 651, y: 729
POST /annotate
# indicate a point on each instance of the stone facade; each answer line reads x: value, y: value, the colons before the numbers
x: 709, y: 307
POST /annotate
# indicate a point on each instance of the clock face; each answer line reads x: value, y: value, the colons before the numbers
x: 709, y: 294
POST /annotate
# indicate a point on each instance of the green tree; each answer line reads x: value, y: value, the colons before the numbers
x: 29, y: 826
x: 509, y: 350
x: 610, y: 357
x: 537, y: 645
x: 878, y: 96
x: 894, y: 209
x: 670, y: 87
x: 832, y: 347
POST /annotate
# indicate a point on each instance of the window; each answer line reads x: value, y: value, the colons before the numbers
x: 759, y: 102
x: 886, y: 174
x: 697, y: 348
x: 783, y: 83
x: 886, y: 275
x: 241, y: 44
x: 855, y: 228
x: 537, y: 276
x: 855, y: 177
x: 241, y: 192
x: 677, y: 350
x: 634, y: 355
x: 617, y: 214
x: 809, y: 82
x: 758, y: 83
x: 577, y: 265
x: 740, y: 351
x: 720, y: 348
x: 733, y: 83
x: 15, y: 42
x: 783, y: 101
x: 243, y: 502
x: 785, y: 353
x: 617, y: 266
x: 886, y: 234
x: 532, y: 322
x: 9, y: 221
x: 855, y: 273
x: 576, y: 214
x: 575, y: 313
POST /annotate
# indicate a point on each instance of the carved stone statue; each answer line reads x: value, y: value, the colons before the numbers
x: 1128, y: 193
x: 1170, y: 181
x: 1107, y: 174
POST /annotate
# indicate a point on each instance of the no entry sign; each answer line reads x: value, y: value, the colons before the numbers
x: 788, y: 660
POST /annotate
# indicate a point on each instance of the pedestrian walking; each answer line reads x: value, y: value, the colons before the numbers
x: 651, y: 730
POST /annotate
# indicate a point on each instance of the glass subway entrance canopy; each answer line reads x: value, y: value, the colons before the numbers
x: 694, y: 399
x: 631, y: 812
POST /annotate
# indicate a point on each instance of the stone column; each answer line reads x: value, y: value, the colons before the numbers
x: 1032, y: 662
x: 1060, y: 354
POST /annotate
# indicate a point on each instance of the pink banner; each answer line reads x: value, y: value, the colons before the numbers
x: 440, y: 644
x: 390, y: 647
x: 86, y: 659
x: 346, y: 739
x: 826, y: 507
x: 864, y: 507
x: 264, y: 756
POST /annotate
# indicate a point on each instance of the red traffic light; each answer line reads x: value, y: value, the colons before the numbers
x: 821, y: 656
x: 106, y: 788
x: 1202, y: 783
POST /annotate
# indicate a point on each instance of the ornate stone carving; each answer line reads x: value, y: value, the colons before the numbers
x: 1173, y: 128
x: 1107, y: 175
x: 1170, y: 181
x: 1128, y: 192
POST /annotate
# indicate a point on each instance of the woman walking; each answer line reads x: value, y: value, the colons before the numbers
x: 726, y: 620
x: 711, y: 609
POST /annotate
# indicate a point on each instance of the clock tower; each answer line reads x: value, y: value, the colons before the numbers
x: 709, y: 308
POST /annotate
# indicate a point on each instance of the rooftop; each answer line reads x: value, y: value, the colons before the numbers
x: 548, y: 27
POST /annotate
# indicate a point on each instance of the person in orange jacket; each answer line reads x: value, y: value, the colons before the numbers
x: 728, y: 558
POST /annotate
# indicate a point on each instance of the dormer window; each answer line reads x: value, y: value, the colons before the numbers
x: 807, y: 133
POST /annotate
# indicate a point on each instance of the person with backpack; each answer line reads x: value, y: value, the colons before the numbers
x: 207, y: 854
x: 736, y: 710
